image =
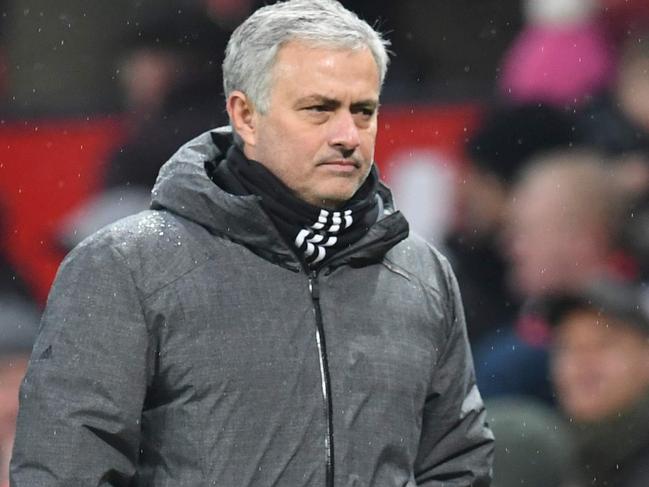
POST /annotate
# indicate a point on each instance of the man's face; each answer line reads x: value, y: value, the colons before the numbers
x: 633, y: 92
x: 552, y: 243
x: 319, y: 131
x: 599, y: 367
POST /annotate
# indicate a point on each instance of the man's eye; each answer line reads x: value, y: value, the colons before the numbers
x: 365, y: 112
x: 318, y: 108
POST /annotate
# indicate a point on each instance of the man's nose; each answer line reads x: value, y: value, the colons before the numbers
x: 344, y: 133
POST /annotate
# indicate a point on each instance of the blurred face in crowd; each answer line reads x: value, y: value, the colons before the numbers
x: 633, y: 91
x: 147, y: 76
x: 599, y: 366
x: 555, y: 241
x: 319, y: 131
x: 12, y: 370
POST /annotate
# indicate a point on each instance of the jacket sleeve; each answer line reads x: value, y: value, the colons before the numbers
x: 456, y: 445
x: 82, y: 396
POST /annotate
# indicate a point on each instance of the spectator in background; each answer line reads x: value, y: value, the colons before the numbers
x: 171, y: 73
x: 600, y: 369
x: 534, y: 447
x: 564, y: 222
x: 18, y: 323
x: 561, y: 233
x: 498, y: 151
x: 617, y: 121
x: 561, y: 56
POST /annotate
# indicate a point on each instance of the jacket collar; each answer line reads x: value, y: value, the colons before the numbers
x: 183, y: 187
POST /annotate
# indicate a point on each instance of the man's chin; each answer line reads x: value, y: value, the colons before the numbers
x: 330, y: 203
x: 335, y: 194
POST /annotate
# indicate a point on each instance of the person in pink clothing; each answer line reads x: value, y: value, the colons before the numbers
x: 561, y: 56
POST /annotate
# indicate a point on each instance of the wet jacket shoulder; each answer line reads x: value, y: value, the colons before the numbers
x: 185, y: 345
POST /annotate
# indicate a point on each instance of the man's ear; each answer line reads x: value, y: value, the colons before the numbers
x: 242, y: 117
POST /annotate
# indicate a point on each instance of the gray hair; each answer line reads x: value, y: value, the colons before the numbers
x: 252, y: 49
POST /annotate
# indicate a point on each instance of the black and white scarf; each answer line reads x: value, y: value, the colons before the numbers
x: 315, y: 233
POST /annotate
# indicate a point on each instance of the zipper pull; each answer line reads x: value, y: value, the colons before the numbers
x: 313, y: 285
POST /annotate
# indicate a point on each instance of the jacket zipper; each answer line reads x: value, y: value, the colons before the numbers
x: 324, y: 375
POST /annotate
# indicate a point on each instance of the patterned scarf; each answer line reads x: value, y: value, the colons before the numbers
x: 316, y: 233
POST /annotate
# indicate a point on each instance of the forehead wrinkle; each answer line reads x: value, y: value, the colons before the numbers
x: 316, y: 98
x: 335, y: 102
x: 369, y: 102
x: 324, y: 84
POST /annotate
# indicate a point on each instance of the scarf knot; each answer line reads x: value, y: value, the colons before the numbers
x: 316, y: 234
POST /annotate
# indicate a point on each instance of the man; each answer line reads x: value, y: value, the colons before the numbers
x: 269, y: 322
x: 600, y: 370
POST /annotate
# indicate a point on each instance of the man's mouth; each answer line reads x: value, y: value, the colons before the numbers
x: 343, y: 164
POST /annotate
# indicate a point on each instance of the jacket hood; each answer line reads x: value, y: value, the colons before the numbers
x: 184, y: 188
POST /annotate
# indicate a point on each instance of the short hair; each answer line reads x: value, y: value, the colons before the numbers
x: 508, y: 137
x: 252, y: 49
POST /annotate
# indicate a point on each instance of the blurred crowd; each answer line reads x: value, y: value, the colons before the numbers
x: 551, y: 248
x: 550, y: 236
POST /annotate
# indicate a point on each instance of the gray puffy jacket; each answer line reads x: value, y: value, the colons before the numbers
x: 186, y: 346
